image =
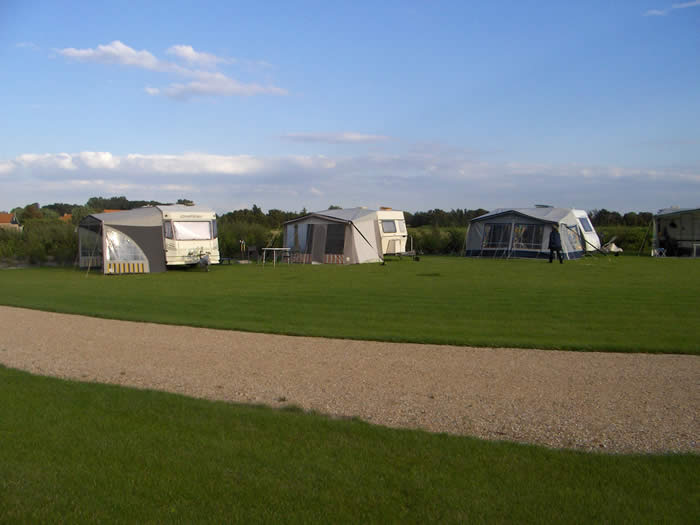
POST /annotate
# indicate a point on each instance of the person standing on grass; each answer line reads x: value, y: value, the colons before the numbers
x: 555, y: 244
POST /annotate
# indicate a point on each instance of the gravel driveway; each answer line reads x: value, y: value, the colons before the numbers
x: 582, y: 400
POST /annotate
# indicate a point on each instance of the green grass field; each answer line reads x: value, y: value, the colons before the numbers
x: 625, y: 304
x: 78, y: 452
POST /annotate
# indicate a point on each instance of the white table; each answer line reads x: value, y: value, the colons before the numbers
x: 274, y: 254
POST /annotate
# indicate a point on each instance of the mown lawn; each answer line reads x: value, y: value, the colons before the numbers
x: 78, y: 452
x: 626, y: 304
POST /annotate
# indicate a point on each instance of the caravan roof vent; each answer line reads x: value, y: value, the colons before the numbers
x: 543, y: 206
x: 385, y: 208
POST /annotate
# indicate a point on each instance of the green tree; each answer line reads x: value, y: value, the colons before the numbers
x: 80, y: 212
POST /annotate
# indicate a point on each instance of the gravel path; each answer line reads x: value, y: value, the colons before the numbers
x: 582, y: 400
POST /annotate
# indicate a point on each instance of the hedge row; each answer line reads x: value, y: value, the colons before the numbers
x: 39, y: 241
x: 50, y: 239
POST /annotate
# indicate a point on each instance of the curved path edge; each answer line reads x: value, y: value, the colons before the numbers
x: 612, y: 402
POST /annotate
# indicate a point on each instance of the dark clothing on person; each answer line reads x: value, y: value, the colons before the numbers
x: 555, y: 246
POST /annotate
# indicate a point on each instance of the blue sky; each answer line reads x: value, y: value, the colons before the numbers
x: 410, y: 104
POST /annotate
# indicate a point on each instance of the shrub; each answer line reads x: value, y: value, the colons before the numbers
x: 438, y: 241
x: 231, y: 233
x: 629, y: 238
x: 40, y: 240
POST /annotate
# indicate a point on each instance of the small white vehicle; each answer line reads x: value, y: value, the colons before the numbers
x: 189, y: 235
x: 392, y: 231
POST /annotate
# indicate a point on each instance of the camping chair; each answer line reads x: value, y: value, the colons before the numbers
x: 253, y: 251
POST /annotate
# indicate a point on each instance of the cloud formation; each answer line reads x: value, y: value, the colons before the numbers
x: 27, y: 45
x: 188, y: 54
x: 214, y: 84
x: 115, y: 53
x: 664, y: 12
x: 411, y: 180
x: 335, y: 138
x: 202, y: 83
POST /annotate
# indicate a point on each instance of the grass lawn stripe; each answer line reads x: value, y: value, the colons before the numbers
x: 625, y: 304
x: 81, y: 452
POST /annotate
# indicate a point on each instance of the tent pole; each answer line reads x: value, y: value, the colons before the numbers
x: 93, y: 250
x: 646, y: 236
x: 591, y: 245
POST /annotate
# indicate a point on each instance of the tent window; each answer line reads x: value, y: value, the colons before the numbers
x: 388, y: 226
x: 90, y: 243
x: 192, y: 231
x: 586, y: 225
x: 528, y: 236
x: 402, y: 226
x: 335, y: 239
x: 571, y: 232
x: 496, y: 236
x: 121, y: 247
x: 168, y: 229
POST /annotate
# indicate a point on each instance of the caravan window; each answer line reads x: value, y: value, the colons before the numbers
x: 168, y: 229
x: 496, y: 236
x: 402, y: 226
x: 192, y: 231
x: 388, y: 226
x: 528, y: 236
x: 215, y: 229
x: 586, y: 225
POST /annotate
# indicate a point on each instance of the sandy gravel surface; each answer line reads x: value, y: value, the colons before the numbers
x: 591, y: 401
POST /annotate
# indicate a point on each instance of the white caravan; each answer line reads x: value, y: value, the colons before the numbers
x: 189, y: 235
x: 392, y: 230
x: 590, y: 236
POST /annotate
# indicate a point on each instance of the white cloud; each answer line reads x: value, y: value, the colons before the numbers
x: 664, y: 12
x: 179, y: 187
x: 684, y: 5
x: 99, y: 159
x: 218, y: 84
x: 6, y: 167
x: 188, y: 54
x: 203, y: 83
x: 62, y: 161
x: 27, y: 45
x: 412, y: 181
x: 194, y: 163
x: 115, y: 53
x: 335, y: 138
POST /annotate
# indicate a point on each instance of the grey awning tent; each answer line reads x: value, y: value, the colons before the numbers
x: 677, y: 232
x: 346, y: 236
x: 523, y: 233
x: 129, y: 241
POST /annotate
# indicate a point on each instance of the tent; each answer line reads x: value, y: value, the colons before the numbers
x: 524, y: 232
x: 345, y: 236
x: 147, y: 239
x: 677, y: 232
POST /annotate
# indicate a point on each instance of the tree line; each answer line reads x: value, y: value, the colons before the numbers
x: 45, y: 237
x: 274, y: 218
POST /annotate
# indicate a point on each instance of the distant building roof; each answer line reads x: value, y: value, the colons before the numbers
x: 66, y: 217
x: 8, y: 218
